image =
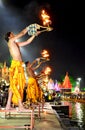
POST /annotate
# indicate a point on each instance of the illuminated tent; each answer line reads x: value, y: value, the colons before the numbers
x: 56, y: 86
x: 66, y: 83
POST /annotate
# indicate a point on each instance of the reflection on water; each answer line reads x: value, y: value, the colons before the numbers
x: 76, y: 112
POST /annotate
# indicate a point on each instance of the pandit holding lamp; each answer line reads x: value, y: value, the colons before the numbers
x: 16, y: 70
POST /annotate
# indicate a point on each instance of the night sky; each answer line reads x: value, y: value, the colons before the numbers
x: 66, y: 43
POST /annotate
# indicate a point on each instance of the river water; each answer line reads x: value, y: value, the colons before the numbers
x: 76, y: 112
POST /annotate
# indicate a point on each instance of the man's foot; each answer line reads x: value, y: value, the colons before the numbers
x: 22, y: 110
x: 9, y: 108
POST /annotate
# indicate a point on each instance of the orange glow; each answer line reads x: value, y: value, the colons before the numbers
x: 67, y: 83
x: 47, y: 70
x: 45, y: 54
x: 45, y: 18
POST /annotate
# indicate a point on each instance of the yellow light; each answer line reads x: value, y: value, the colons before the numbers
x: 45, y: 18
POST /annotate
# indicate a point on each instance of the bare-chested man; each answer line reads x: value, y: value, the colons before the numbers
x: 34, y: 92
x: 17, y: 78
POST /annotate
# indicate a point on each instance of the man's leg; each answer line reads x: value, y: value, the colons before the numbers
x: 8, y: 105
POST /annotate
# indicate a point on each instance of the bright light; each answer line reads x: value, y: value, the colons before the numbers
x: 45, y: 18
x: 77, y: 82
x: 45, y: 54
x: 79, y: 79
x: 79, y: 111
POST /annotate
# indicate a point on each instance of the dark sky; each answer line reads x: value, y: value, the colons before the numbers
x: 66, y: 43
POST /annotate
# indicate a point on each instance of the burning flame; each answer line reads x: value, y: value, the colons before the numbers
x: 45, y: 54
x: 45, y: 18
x: 47, y: 70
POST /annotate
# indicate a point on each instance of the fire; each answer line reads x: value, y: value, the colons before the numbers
x: 45, y: 18
x: 47, y: 70
x: 45, y: 54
